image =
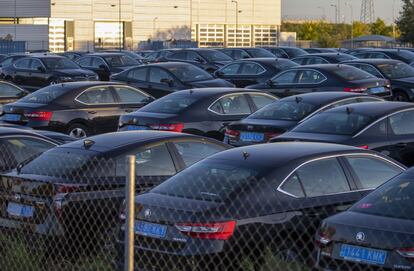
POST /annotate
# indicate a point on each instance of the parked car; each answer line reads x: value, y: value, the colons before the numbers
x: 386, y: 127
x: 75, y: 191
x: 10, y: 93
x: 374, y: 234
x: 37, y: 71
x: 400, y: 75
x: 18, y: 145
x: 322, y: 58
x: 397, y: 54
x: 196, y: 111
x: 106, y: 64
x: 241, y: 53
x: 79, y: 109
x: 2, y: 56
x: 8, y: 61
x: 286, y: 51
x: 320, y: 50
x: 239, y: 203
x: 252, y: 71
x: 160, y: 79
x: 73, y: 55
x: 207, y: 59
x: 324, y: 77
x: 284, y: 114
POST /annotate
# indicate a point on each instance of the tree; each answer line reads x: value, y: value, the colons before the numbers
x: 380, y: 28
x: 405, y: 22
x: 360, y: 29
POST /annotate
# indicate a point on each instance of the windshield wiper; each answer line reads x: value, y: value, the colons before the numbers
x: 25, y: 162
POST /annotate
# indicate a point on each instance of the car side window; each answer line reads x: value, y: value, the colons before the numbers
x: 293, y: 186
x: 232, y: 105
x: 310, y: 77
x: 139, y: 74
x: 179, y: 55
x: 6, y: 62
x: 279, y: 53
x: 231, y: 69
x: 402, y: 123
x: 129, y: 95
x: 192, y: 56
x: 23, y: 63
x: 192, y: 152
x: 97, y: 95
x: 286, y: 78
x: 317, y: 60
x: 85, y: 62
x: 323, y: 177
x: 300, y: 61
x: 36, y: 65
x: 251, y: 68
x: 7, y: 90
x: 157, y: 74
x: 370, y: 69
x: 240, y: 54
x: 97, y: 62
x: 379, y: 55
x: 260, y: 100
x: 372, y: 172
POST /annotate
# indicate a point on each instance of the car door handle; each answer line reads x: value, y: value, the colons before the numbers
x: 92, y: 112
x: 401, y: 145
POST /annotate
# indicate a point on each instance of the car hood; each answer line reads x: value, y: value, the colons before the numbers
x: 311, y: 137
x: 211, y: 83
x: 74, y: 72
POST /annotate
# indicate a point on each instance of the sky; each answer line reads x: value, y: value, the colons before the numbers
x: 316, y: 9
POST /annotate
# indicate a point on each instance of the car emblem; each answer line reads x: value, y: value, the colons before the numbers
x: 360, y: 237
x: 377, y: 84
x: 17, y: 197
x: 147, y: 213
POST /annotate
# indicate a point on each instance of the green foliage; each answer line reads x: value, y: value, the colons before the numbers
x: 405, y: 22
x: 380, y: 28
x: 360, y: 29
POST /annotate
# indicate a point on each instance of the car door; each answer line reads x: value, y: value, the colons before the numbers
x: 21, y: 71
x: 130, y: 99
x: 138, y: 77
x: 38, y: 76
x: 307, y: 81
x: 161, y: 82
x: 282, y: 84
x: 401, y: 137
x: 9, y: 93
x: 99, y: 109
x: 260, y: 100
x: 230, y: 72
x: 248, y: 74
x: 99, y: 66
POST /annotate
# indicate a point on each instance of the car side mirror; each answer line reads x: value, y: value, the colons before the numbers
x: 167, y: 81
x: 41, y: 69
x: 199, y: 60
x: 219, y: 74
x: 270, y: 83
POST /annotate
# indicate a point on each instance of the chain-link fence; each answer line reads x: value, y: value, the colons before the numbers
x: 71, y: 211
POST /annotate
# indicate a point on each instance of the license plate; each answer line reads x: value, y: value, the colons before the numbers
x: 150, y: 229
x: 136, y: 128
x: 12, y: 117
x: 377, y: 90
x: 362, y: 254
x: 20, y: 210
x: 252, y: 137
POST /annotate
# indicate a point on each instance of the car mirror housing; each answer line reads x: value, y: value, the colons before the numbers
x: 270, y: 82
x: 167, y: 81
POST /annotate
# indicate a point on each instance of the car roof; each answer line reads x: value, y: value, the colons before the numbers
x: 85, y: 84
x: 376, y: 110
x: 373, y: 61
x: 272, y: 155
x: 322, y: 98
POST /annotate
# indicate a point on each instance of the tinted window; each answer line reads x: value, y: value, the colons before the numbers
x: 230, y: 69
x: 179, y: 55
x: 378, y: 55
x: 192, y: 56
x: 189, y: 73
x: 286, y: 78
x: 7, y: 90
x: 396, y: 70
x: 85, y: 62
x: 369, y: 69
x: 317, y: 60
x: 334, y: 123
x: 157, y: 74
x: 36, y: 64
x: 323, y: 177
x: 97, y: 95
x: 45, y: 95
x: 170, y: 104
x: 120, y: 61
x: 352, y: 74
x: 138, y: 74
x: 344, y: 57
x: 278, y: 52
x: 261, y: 100
x: 129, y: 95
x: 282, y: 110
x: 240, y: 54
x: 372, y: 172
x: 310, y: 77
x: 293, y: 186
x: 153, y: 56
x: 97, y: 62
x: 213, y: 56
x: 283, y: 64
x: 154, y: 161
x: 7, y: 61
x: 192, y: 152
x: 23, y: 63
x: 251, y: 68
x: 60, y: 63
x: 294, y: 52
x: 256, y: 52
x: 232, y: 105
x: 300, y: 61
x: 402, y: 123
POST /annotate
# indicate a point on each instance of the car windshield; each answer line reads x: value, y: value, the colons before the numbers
x: 45, y: 95
x: 294, y: 52
x: 344, y: 57
x: 394, y: 199
x: 189, y: 73
x: 170, y: 104
x: 213, y: 56
x: 336, y: 123
x: 257, y: 52
x: 281, y: 110
x: 120, y: 61
x: 211, y: 180
x: 60, y: 63
x: 352, y: 74
x: 396, y: 70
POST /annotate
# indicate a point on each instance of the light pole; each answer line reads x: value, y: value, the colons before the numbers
x: 336, y: 12
x: 237, y: 20
x: 153, y: 26
x: 393, y: 19
x: 352, y: 23
x: 119, y: 23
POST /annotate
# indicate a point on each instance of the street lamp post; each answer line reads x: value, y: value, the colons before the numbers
x: 153, y: 26
x: 336, y: 12
x: 237, y: 20
x: 352, y: 23
x: 323, y: 12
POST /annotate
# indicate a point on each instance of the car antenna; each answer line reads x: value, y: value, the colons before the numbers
x: 245, y: 155
x: 349, y: 110
x: 87, y: 143
x: 298, y: 99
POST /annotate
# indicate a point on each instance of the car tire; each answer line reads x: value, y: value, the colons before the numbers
x: 400, y: 96
x: 78, y: 130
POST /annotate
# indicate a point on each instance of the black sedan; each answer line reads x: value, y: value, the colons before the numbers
x: 17, y: 145
x: 160, y: 79
x: 241, y: 53
x: 284, y: 114
x: 236, y: 205
x: 386, y: 127
x: 74, y: 192
x: 252, y: 71
x: 106, y: 64
x: 79, y: 109
x: 286, y: 51
x: 207, y: 59
x: 37, y: 71
x: 196, y: 111
x: 325, y: 77
x: 10, y: 93
x: 400, y: 75
x: 322, y: 58
x: 397, y: 54
x: 8, y: 61
x: 377, y: 233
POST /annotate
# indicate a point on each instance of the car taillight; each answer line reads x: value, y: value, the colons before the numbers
x: 365, y: 147
x: 216, y: 231
x: 358, y: 90
x: 231, y: 133
x: 406, y: 252
x: 41, y: 115
x: 324, y: 235
x: 61, y: 190
x: 173, y: 127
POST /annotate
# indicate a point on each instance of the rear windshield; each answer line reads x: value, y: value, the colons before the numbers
x: 210, y: 180
x: 291, y: 111
x: 294, y: 52
x: 394, y: 199
x: 283, y: 64
x: 396, y: 70
x: 120, y: 61
x: 344, y: 57
x: 406, y: 55
x: 352, y: 74
x: 213, y: 56
x: 337, y: 123
x: 189, y: 73
x: 170, y: 105
x: 45, y: 95
x: 256, y: 52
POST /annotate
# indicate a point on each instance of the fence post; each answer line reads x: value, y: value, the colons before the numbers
x: 130, y: 215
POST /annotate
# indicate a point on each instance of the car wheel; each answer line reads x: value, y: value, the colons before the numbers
x: 400, y: 96
x: 78, y: 131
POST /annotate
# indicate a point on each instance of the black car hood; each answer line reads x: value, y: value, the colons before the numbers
x: 73, y: 72
x: 311, y: 137
x: 211, y: 83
